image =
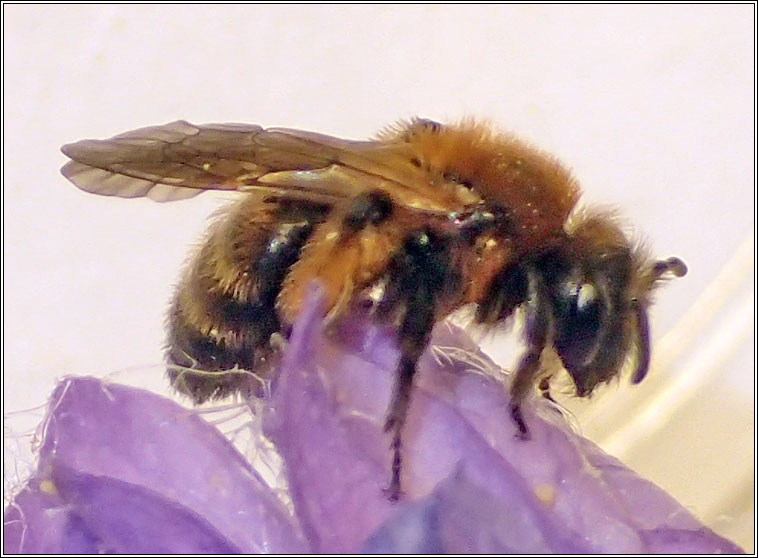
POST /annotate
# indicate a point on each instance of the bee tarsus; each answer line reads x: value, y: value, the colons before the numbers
x: 544, y: 389
x: 522, y: 430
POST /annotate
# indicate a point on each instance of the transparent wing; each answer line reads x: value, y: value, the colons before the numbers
x: 180, y: 160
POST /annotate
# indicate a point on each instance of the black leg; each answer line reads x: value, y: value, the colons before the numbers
x: 396, y: 419
x: 417, y: 278
x: 538, y: 325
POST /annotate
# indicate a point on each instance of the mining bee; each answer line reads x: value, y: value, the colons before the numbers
x: 427, y: 218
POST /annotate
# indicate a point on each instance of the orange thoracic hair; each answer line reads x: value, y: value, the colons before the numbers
x: 499, y: 167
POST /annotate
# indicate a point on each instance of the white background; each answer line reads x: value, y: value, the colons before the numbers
x: 651, y: 106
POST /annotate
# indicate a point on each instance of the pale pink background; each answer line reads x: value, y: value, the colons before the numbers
x: 652, y: 107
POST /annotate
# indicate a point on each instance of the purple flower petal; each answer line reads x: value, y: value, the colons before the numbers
x: 122, y: 515
x: 470, y: 485
x: 121, y: 470
x: 111, y: 450
x: 40, y: 522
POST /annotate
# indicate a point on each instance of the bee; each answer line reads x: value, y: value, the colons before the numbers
x: 423, y: 220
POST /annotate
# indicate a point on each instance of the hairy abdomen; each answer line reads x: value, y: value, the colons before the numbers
x: 224, y: 311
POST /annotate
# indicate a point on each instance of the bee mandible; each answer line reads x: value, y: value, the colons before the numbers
x: 423, y: 220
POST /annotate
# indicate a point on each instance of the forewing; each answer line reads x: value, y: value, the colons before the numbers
x: 180, y: 160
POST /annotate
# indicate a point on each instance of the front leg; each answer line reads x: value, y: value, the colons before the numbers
x: 520, y: 285
x: 418, y: 277
x: 539, y: 323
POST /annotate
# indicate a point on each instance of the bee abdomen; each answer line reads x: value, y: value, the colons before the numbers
x: 224, y: 313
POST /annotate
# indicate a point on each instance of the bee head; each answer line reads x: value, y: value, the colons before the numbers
x: 599, y: 287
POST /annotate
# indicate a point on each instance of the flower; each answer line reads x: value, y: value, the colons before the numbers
x: 123, y: 470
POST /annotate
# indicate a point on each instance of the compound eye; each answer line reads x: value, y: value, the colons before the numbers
x: 578, y: 313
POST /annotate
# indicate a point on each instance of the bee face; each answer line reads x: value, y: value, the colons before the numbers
x: 591, y: 308
x: 597, y: 286
x: 431, y: 217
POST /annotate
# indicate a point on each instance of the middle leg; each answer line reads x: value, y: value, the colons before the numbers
x: 419, y: 277
x: 373, y: 242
